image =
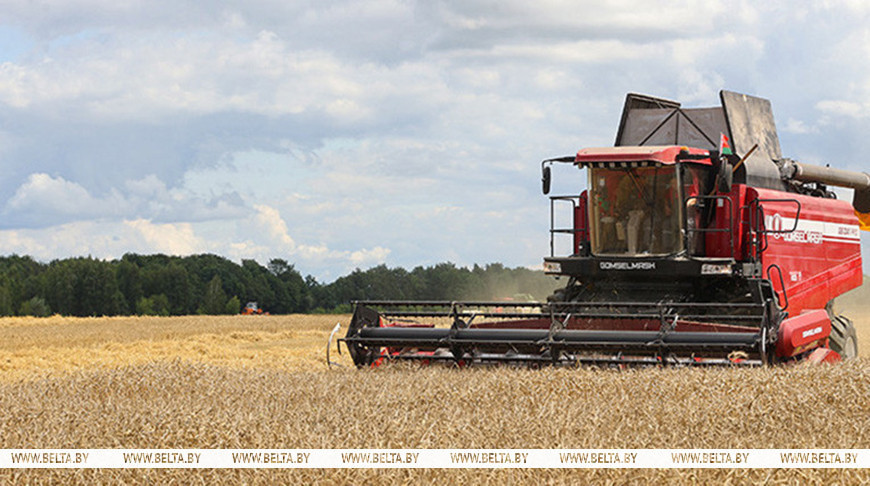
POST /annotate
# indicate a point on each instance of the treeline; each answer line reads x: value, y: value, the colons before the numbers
x: 210, y: 284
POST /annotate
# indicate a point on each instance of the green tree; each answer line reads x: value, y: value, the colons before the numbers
x: 22, y: 278
x: 96, y: 288
x: 171, y: 281
x: 59, y: 284
x: 154, y: 305
x: 215, y: 301
x: 129, y: 282
x: 36, y: 307
x: 234, y: 306
x: 289, y: 287
x: 162, y: 306
x: 82, y: 287
x: 6, y: 304
x: 145, y: 307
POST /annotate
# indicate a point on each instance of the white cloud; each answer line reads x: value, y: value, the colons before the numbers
x: 271, y: 222
x: 274, y: 235
x: 56, y: 197
x: 41, y: 190
x: 843, y: 108
x: 173, y: 239
x: 798, y: 127
x: 100, y: 239
x: 44, y: 200
x: 365, y: 258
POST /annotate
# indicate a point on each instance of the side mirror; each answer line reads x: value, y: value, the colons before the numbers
x: 545, y: 179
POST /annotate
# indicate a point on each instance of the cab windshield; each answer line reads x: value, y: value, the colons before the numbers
x: 634, y: 211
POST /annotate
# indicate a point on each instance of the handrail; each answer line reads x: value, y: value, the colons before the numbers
x: 575, y: 202
x: 757, y: 229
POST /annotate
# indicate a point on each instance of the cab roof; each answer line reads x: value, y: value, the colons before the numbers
x: 661, y: 154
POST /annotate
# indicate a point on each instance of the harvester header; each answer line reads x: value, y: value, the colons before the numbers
x: 695, y: 242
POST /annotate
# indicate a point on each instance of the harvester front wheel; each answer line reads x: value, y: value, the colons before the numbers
x: 844, y: 339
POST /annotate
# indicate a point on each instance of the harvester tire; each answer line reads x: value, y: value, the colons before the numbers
x: 844, y: 339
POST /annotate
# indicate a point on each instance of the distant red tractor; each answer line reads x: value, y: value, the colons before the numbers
x: 683, y: 249
x: 252, y: 309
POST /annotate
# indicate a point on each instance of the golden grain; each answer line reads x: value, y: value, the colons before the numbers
x: 259, y: 382
x: 31, y: 347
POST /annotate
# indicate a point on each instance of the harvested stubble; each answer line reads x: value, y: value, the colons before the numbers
x: 183, y: 400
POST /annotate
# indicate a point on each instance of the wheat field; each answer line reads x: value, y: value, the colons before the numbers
x: 32, y: 347
x: 262, y: 382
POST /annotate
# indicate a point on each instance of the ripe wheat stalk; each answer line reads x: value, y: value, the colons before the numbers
x: 235, y: 382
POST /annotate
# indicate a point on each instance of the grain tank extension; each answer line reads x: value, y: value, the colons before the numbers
x: 696, y: 242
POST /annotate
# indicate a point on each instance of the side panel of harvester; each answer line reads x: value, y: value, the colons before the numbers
x: 814, y: 243
x: 808, y: 245
x: 809, y: 249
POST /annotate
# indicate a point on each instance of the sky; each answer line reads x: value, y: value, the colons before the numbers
x: 347, y: 134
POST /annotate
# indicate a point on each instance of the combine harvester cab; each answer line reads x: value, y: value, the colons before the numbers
x: 694, y: 243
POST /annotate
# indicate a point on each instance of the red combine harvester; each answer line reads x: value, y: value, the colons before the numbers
x: 695, y: 243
